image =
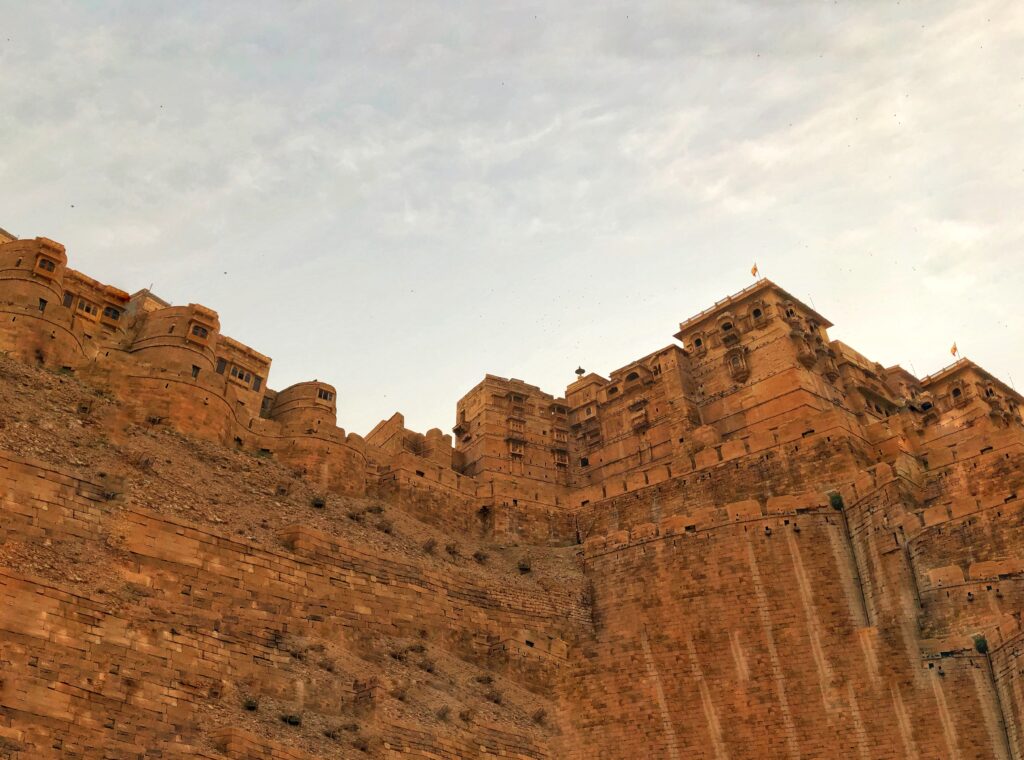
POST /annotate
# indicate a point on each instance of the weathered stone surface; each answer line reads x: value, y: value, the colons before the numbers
x: 755, y: 544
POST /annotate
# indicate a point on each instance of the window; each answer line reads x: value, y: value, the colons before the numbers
x: 42, y: 304
x: 257, y: 383
x: 632, y: 376
x: 195, y: 371
x: 957, y: 393
x: 170, y: 329
x: 757, y: 313
x: 47, y: 265
x: 111, y: 313
x: 221, y: 366
x: 726, y: 326
x: 697, y: 342
x: 325, y: 395
x: 69, y: 298
x: 87, y: 307
x: 584, y: 462
x: 199, y: 331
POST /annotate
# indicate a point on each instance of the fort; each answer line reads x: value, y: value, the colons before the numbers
x: 755, y: 542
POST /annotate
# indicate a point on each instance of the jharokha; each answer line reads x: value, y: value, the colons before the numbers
x: 752, y: 543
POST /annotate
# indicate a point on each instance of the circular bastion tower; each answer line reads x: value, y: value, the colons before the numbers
x: 305, y: 408
x: 38, y: 325
x: 179, y: 339
x: 310, y: 440
x: 176, y: 379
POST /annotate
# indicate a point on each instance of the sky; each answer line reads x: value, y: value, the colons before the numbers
x: 399, y: 197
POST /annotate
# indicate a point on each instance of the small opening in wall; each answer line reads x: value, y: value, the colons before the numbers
x: 726, y: 326
x: 42, y: 304
x: 957, y: 393
x: 529, y: 643
x: 757, y: 313
x: 697, y: 343
x: 584, y: 462
x: 195, y: 371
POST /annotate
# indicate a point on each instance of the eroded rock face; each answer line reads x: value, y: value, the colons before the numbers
x: 756, y: 544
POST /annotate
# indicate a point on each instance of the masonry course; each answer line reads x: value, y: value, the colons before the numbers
x: 754, y: 542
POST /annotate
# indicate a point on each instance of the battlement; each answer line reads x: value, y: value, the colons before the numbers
x: 755, y: 371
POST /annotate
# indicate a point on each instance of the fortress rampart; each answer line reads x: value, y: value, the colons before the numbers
x: 793, y: 551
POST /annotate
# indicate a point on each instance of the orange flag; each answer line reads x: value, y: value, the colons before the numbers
x: 954, y: 350
x: 754, y: 270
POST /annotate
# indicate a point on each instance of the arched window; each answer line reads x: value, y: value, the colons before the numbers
x: 957, y: 393
x: 726, y: 326
x: 757, y: 313
x: 632, y: 376
x: 697, y: 342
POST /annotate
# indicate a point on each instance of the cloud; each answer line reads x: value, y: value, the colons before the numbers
x: 405, y: 196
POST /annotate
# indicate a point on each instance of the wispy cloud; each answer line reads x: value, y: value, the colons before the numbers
x: 399, y: 197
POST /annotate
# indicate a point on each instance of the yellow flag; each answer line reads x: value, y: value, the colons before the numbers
x: 754, y: 270
x: 954, y: 350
